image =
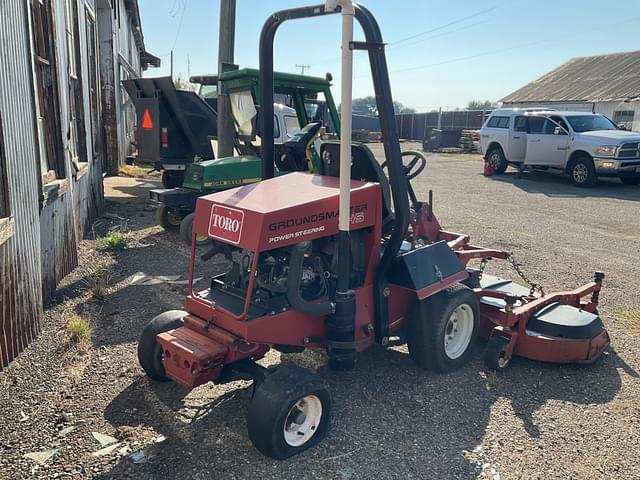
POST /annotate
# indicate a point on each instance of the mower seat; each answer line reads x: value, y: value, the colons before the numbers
x: 364, y: 166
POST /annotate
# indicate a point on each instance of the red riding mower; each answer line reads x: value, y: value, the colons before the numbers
x: 341, y: 261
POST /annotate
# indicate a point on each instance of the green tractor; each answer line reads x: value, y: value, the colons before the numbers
x: 303, y: 113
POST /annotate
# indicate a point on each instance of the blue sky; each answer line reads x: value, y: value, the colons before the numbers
x: 462, y: 49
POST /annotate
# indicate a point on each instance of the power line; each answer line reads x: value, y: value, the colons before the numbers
x: 395, y: 43
x: 454, y: 22
x: 184, y: 9
x: 303, y: 68
x: 506, y: 49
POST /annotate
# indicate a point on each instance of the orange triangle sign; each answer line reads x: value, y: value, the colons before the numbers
x: 147, y: 122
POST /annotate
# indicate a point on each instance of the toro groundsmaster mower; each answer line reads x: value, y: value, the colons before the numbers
x: 342, y: 260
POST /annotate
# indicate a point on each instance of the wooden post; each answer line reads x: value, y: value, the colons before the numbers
x: 226, y: 130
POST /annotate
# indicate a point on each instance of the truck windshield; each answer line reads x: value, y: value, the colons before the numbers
x: 589, y: 123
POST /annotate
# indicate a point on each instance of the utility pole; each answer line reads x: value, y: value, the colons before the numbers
x: 303, y: 68
x: 171, y: 64
x: 226, y: 42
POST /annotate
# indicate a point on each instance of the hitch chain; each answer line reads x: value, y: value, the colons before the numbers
x: 533, y: 287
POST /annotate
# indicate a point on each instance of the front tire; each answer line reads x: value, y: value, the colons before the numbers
x: 496, y: 158
x: 289, y: 412
x: 442, y: 329
x: 186, y: 232
x: 149, y: 350
x: 583, y: 172
x: 167, y: 218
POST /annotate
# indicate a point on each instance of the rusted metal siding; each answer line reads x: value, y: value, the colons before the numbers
x: 21, y: 291
x: 44, y: 246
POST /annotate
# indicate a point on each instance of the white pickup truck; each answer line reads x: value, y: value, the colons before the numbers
x: 584, y: 145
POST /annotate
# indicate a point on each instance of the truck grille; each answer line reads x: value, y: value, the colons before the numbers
x: 629, y: 150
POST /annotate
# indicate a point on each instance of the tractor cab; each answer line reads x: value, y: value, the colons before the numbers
x: 304, y: 115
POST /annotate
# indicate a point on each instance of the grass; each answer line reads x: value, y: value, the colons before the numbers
x: 131, y: 171
x: 629, y: 318
x: 79, y: 329
x: 115, y: 241
x: 98, y: 282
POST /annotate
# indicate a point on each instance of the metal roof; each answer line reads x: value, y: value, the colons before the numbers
x: 601, y: 78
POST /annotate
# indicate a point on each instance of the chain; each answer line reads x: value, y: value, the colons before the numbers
x: 483, y: 265
x: 532, y: 286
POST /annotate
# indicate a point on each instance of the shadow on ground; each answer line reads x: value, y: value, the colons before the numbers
x: 421, y: 422
x: 559, y: 186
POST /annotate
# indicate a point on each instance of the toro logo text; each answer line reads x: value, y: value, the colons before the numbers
x: 226, y: 223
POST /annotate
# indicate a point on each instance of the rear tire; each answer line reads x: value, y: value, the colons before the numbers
x: 149, y: 350
x: 289, y: 412
x: 496, y: 158
x: 630, y: 181
x: 186, y: 232
x: 172, y: 178
x: 583, y: 172
x: 442, y: 329
x: 167, y: 218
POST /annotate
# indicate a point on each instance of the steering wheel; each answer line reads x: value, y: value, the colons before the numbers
x: 415, y: 166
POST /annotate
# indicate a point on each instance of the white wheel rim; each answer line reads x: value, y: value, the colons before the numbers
x: 458, y: 331
x: 302, y: 421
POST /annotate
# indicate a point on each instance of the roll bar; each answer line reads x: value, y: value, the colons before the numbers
x: 380, y: 75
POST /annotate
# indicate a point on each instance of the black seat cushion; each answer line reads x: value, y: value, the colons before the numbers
x: 364, y: 166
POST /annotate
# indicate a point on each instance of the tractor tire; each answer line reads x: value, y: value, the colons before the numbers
x: 583, y: 172
x: 289, y: 412
x: 167, y: 218
x: 186, y: 232
x: 494, y: 353
x: 149, y: 350
x: 172, y: 178
x: 496, y: 158
x: 442, y: 329
x: 630, y: 180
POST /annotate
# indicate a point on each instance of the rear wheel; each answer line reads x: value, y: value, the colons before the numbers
x: 172, y: 178
x: 630, y: 180
x: 496, y: 158
x: 289, y: 412
x: 186, y: 232
x: 583, y: 172
x: 149, y: 350
x: 168, y: 218
x: 442, y: 328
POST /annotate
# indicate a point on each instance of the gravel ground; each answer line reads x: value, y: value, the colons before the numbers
x: 391, y: 420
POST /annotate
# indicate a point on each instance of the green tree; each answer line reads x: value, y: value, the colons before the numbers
x: 369, y: 106
x: 480, y: 105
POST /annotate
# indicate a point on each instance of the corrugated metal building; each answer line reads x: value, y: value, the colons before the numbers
x: 606, y: 84
x: 53, y: 143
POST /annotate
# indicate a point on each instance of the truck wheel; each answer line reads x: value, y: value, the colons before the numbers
x: 186, y: 232
x: 630, y: 180
x: 167, y: 218
x: 496, y: 158
x: 494, y: 353
x: 442, y: 329
x: 289, y: 412
x: 149, y: 350
x: 172, y: 178
x: 583, y: 172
